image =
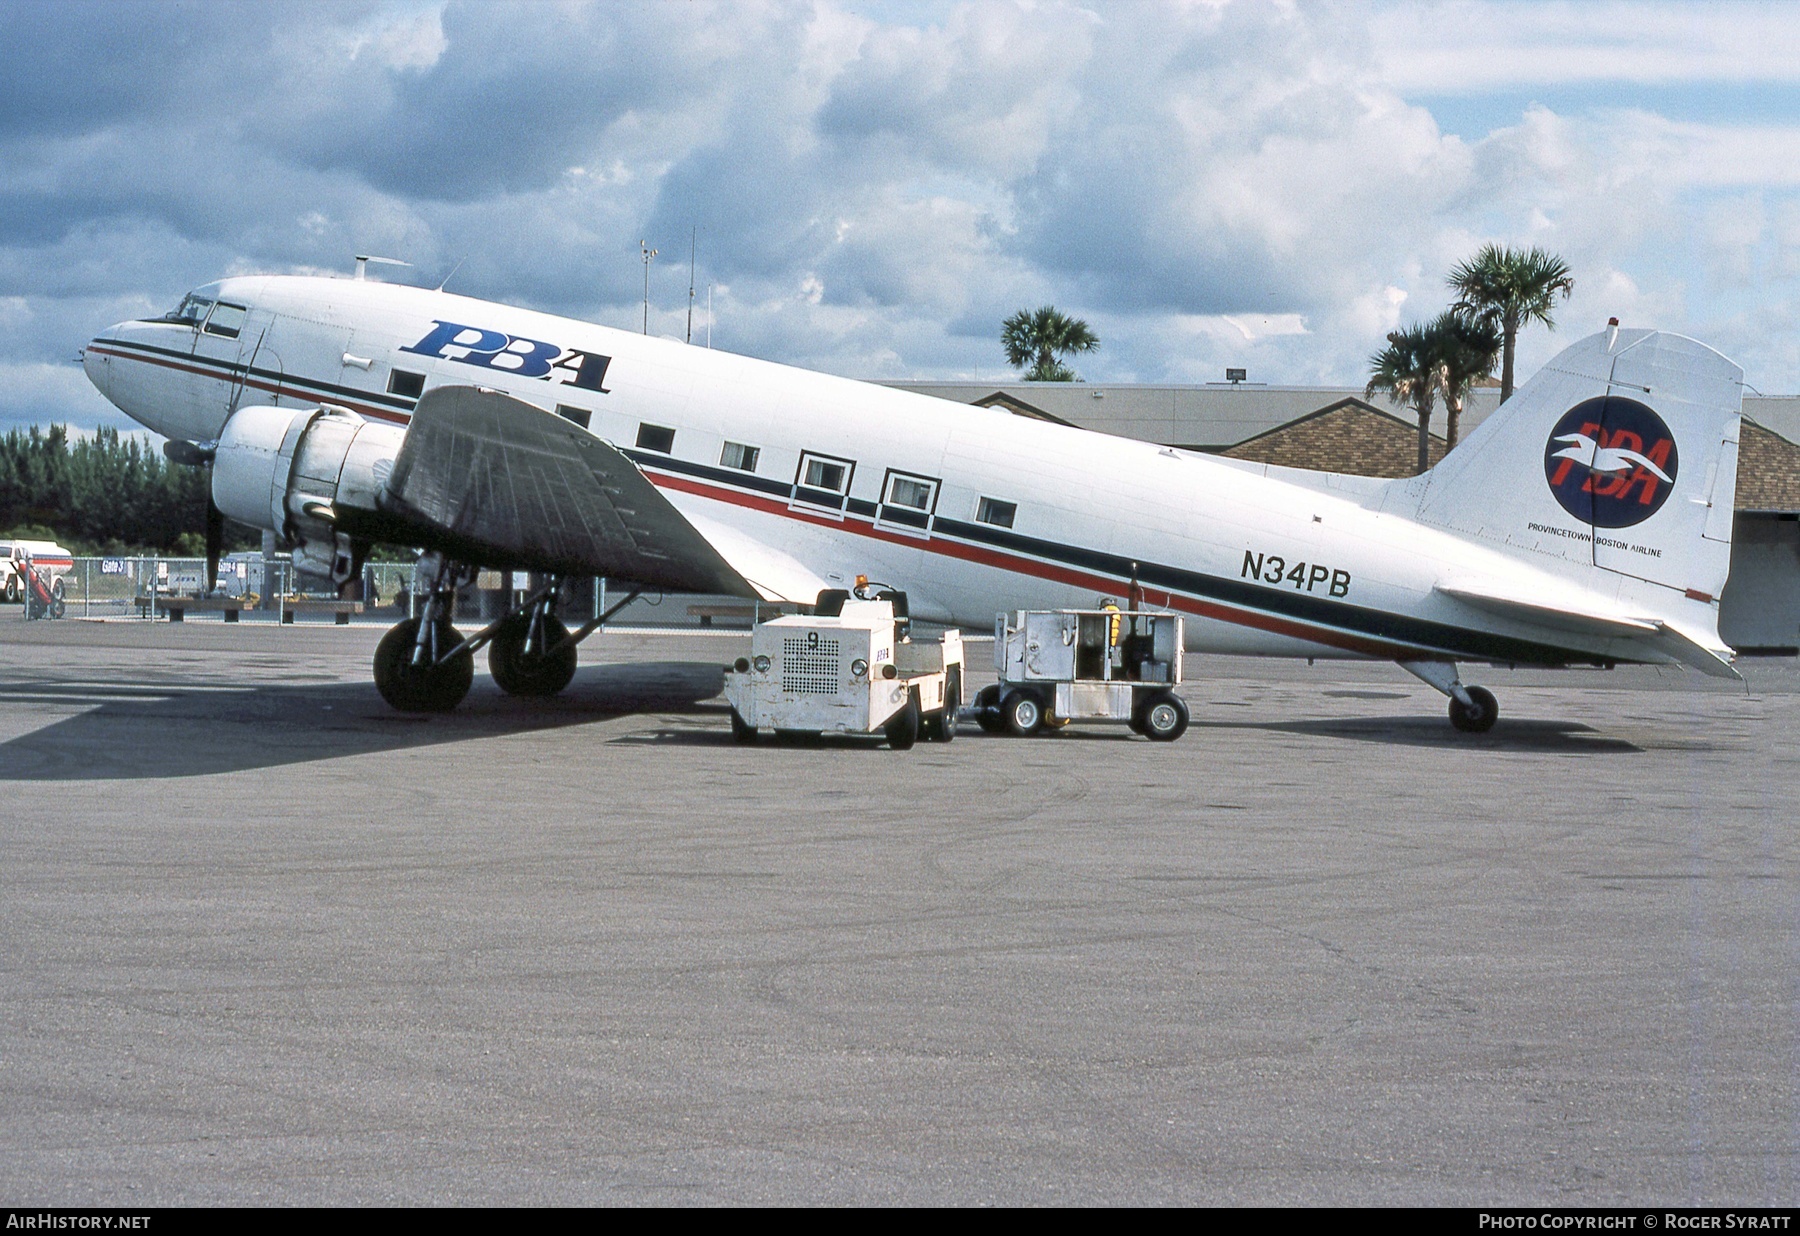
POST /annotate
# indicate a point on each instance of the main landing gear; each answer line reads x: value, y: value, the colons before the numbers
x: 1473, y: 710
x: 425, y: 664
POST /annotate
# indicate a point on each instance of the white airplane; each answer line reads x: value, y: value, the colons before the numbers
x: 342, y: 412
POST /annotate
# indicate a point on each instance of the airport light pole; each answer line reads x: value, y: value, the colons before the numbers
x: 648, y: 254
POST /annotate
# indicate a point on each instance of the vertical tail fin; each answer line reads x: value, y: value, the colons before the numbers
x: 1620, y: 455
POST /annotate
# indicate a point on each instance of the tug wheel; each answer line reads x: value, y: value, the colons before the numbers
x: 741, y: 730
x: 903, y: 727
x: 416, y: 688
x: 987, y: 711
x: 1163, y: 718
x: 1022, y: 713
x: 1478, y: 719
x: 534, y: 673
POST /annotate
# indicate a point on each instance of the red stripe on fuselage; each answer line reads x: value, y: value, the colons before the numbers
x: 1030, y: 566
x: 1000, y: 560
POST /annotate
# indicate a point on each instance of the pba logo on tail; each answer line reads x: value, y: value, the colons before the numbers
x: 1611, y: 462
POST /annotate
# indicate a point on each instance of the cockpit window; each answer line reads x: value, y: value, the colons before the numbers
x: 226, y: 320
x: 192, y: 310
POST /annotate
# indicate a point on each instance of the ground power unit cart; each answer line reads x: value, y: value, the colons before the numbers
x: 1058, y: 666
x: 847, y: 668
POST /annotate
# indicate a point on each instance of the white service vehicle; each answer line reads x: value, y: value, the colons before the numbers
x: 50, y: 560
x: 1063, y: 665
x: 848, y: 668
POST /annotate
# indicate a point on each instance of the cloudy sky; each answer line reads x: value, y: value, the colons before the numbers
x: 877, y: 185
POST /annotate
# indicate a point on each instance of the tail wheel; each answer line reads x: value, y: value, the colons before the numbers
x: 1163, y: 718
x: 1478, y: 715
x: 903, y: 728
x: 987, y: 711
x: 421, y: 688
x: 534, y: 673
x: 1022, y: 713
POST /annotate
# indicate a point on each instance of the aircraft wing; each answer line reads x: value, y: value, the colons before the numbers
x: 1593, y: 620
x: 493, y: 479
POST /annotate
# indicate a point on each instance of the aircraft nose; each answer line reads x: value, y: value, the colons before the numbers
x: 97, y: 361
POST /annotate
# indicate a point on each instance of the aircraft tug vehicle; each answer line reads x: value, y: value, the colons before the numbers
x: 850, y: 667
x: 1106, y: 665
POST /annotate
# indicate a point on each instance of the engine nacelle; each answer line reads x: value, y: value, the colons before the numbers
x: 292, y: 472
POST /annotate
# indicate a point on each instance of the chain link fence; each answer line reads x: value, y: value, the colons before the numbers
x: 252, y: 589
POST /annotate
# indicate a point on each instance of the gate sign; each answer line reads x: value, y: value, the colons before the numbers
x: 1611, y: 462
x: 112, y: 566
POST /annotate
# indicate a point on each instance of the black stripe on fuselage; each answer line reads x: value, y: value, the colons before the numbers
x: 1300, y: 607
x: 232, y: 371
x: 1314, y: 610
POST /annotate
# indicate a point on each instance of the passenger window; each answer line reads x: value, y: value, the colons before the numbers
x: 993, y: 511
x: 580, y: 416
x: 737, y: 455
x: 822, y: 481
x: 406, y: 385
x: 823, y: 474
x: 911, y: 492
x: 906, y: 502
x: 656, y: 438
x: 226, y: 320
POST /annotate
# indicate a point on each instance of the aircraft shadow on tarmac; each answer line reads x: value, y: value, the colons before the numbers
x: 1571, y: 737
x: 175, y: 733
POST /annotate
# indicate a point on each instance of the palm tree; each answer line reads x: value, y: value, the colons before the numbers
x: 1039, y: 338
x: 1408, y: 370
x: 1467, y: 348
x: 1510, y: 287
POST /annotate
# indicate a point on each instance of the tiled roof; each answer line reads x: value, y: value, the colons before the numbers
x: 1768, y: 471
x: 1348, y: 436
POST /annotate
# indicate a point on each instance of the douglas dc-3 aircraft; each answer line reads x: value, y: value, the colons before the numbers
x: 1587, y: 522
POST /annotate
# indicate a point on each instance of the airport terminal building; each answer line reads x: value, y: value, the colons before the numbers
x: 1334, y: 429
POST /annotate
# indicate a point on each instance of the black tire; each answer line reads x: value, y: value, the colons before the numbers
x: 1022, y: 712
x: 12, y: 589
x: 410, y: 688
x: 940, y: 726
x: 741, y: 730
x: 987, y: 711
x: 534, y: 674
x: 56, y: 590
x: 1163, y: 718
x: 1479, y: 719
x: 57, y: 607
x: 902, y: 729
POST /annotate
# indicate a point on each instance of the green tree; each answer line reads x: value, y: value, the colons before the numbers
x: 1509, y: 288
x: 1408, y: 371
x: 1041, y: 338
x: 1467, y: 349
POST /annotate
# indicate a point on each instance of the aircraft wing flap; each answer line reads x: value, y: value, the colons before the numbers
x: 498, y: 480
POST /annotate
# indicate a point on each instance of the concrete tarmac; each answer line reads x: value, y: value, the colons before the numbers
x: 263, y: 940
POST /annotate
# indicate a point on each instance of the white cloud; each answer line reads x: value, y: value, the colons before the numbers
x: 1465, y: 48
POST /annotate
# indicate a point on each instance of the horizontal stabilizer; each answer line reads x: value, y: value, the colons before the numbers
x: 495, y: 480
x: 1586, y: 619
x: 1592, y: 620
